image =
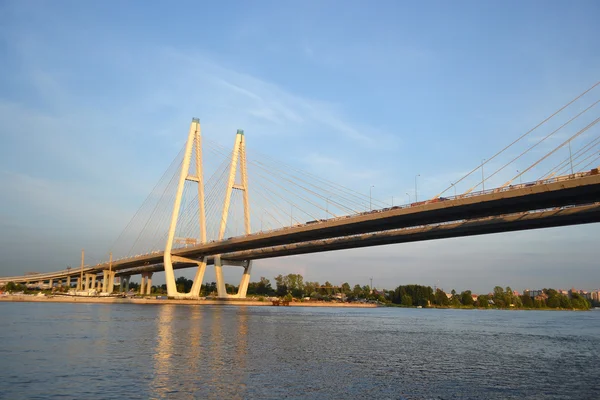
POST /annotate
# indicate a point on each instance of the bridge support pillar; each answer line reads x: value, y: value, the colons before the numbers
x: 245, y: 281
x: 197, y: 285
x: 148, y: 282
x: 50, y: 283
x: 125, y: 283
x: 142, y: 284
x: 111, y: 281
x: 221, y: 291
x: 104, y: 281
x: 86, y: 283
x: 69, y: 282
x: 108, y: 281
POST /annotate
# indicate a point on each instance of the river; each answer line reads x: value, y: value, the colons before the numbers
x: 98, y: 351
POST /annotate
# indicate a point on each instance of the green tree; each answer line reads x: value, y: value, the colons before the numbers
x: 282, y: 288
x: 441, y: 299
x: 466, y: 298
x: 526, y: 300
x: 483, y: 301
x: 553, y: 302
x: 565, y: 302
x: 407, y: 300
x: 346, y: 288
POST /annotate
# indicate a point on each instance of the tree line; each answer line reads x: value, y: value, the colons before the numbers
x: 293, y: 286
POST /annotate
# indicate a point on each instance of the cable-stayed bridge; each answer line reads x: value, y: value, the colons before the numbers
x: 255, y: 207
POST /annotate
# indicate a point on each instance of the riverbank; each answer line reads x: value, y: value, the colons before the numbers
x: 149, y: 300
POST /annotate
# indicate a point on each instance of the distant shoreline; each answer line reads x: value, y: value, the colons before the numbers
x: 122, y: 300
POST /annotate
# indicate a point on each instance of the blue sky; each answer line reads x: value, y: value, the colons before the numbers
x: 96, y: 99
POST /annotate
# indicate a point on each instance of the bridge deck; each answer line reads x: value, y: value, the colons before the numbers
x: 516, y: 208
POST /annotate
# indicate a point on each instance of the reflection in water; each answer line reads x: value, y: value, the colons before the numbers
x: 201, y: 352
x: 195, y: 340
x: 164, y: 350
x: 50, y: 351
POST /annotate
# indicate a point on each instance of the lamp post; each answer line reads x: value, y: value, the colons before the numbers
x: 370, y: 203
x: 453, y: 185
x: 392, y: 201
x: 482, y: 178
x: 570, y: 157
x: 416, y: 198
x: 408, y: 197
x: 520, y: 177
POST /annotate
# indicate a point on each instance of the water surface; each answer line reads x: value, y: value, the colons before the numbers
x: 93, y: 351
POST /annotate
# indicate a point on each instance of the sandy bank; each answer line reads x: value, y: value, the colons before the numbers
x: 119, y: 300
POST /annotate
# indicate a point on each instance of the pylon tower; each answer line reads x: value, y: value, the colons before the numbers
x: 194, y: 140
x: 239, y: 154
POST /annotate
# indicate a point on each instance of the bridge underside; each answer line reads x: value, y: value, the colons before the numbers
x: 495, y: 224
x: 560, y: 202
x: 505, y: 223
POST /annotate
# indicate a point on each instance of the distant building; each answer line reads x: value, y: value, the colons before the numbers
x: 533, y: 293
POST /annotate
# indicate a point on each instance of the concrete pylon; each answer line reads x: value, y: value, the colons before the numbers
x: 239, y: 151
x: 148, y: 282
x: 111, y: 282
x: 125, y: 283
x: 194, y: 141
x: 104, y: 281
x: 142, y: 284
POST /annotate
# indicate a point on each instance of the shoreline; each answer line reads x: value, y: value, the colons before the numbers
x: 122, y: 300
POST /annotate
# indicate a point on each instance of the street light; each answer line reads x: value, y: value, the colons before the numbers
x: 520, y: 178
x: 416, y: 198
x: 482, y: 179
x: 570, y: 157
x: 452, y: 184
x: 370, y: 203
x: 408, y: 197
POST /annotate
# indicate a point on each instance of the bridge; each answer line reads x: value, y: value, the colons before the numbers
x: 185, y: 220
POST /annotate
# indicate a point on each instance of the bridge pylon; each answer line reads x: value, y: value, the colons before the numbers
x: 194, y: 140
x: 239, y: 153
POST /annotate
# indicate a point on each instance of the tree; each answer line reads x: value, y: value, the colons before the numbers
x: 263, y: 287
x: 281, y: 289
x: 184, y: 285
x: 565, y: 302
x: 407, y: 300
x: 526, y: 300
x: 466, y: 298
x: 483, y: 301
x: 310, y: 288
x: 440, y: 298
x: 346, y: 288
